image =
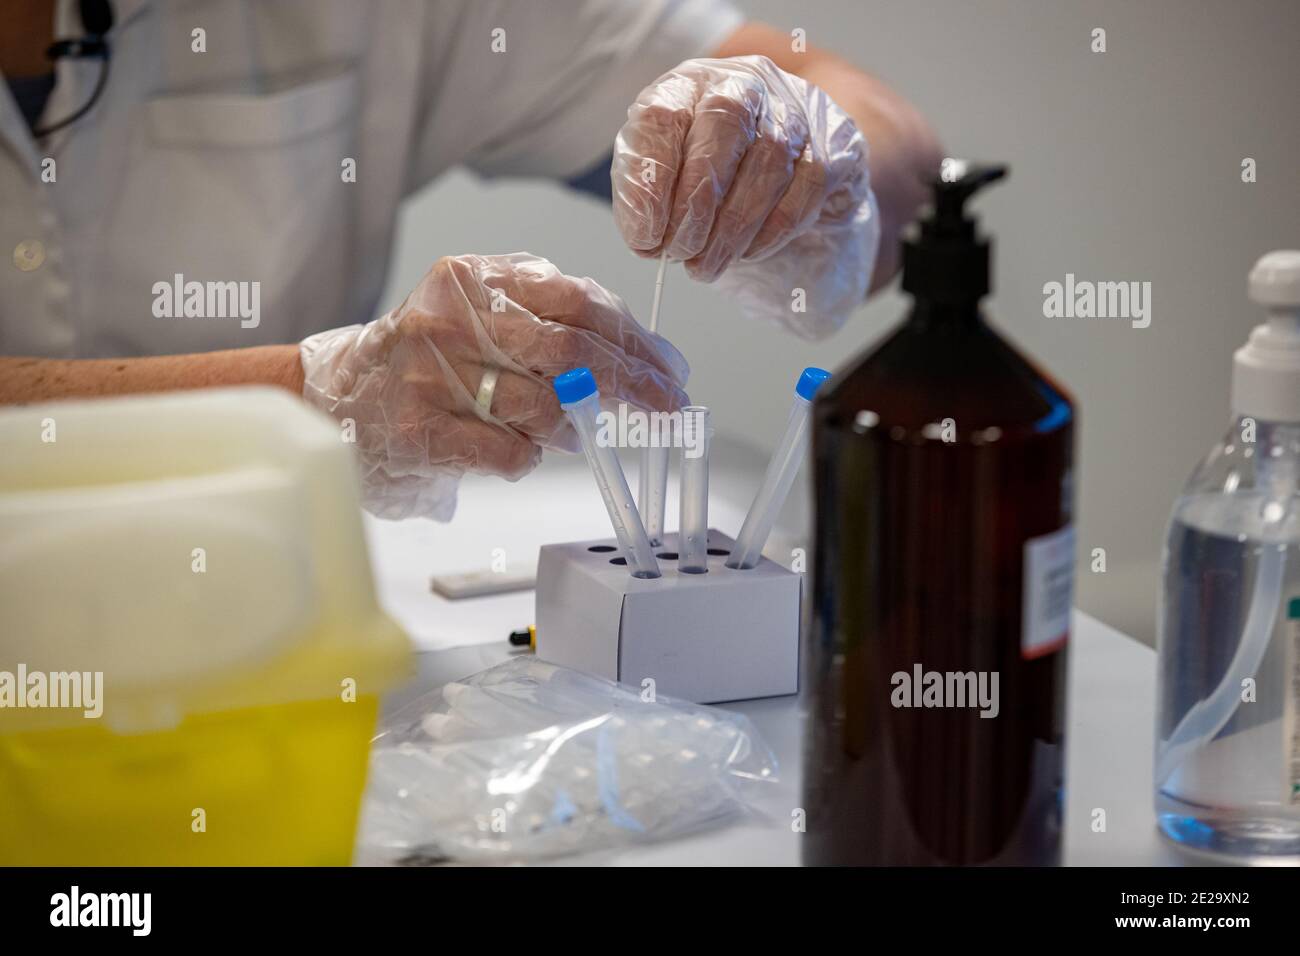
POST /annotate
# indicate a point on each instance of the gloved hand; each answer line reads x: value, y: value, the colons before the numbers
x: 413, y: 380
x: 755, y: 179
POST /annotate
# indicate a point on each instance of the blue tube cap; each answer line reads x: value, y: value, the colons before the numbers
x: 574, y: 385
x: 809, y: 382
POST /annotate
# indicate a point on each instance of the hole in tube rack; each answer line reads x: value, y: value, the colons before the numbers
x: 719, y: 552
x: 620, y: 561
x: 602, y: 548
x: 667, y: 555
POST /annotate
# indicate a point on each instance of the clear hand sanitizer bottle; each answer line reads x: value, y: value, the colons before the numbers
x: 1227, y: 773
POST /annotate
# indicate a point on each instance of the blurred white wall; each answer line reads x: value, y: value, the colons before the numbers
x: 1125, y: 166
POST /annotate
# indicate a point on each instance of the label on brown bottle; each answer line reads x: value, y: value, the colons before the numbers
x: 1048, y: 593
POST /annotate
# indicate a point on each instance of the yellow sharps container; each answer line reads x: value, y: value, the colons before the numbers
x: 191, y: 654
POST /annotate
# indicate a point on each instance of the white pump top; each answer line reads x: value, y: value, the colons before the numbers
x: 1266, y: 370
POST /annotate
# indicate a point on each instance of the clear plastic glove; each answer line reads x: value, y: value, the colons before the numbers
x: 410, y: 380
x: 755, y: 179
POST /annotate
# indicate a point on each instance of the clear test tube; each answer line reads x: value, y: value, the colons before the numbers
x: 652, y: 491
x: 781, y: 471
x: 693, y: 526
x: 576, y: 390
x: 652, y: 479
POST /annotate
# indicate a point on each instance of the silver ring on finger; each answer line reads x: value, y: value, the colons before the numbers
x: 487, y: 386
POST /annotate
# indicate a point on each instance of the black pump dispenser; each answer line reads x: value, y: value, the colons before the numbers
x: 945, y: 261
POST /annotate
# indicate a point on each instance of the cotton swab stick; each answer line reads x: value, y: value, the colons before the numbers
x: 659, y: 292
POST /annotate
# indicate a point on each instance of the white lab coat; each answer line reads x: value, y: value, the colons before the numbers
x: 227, y: 165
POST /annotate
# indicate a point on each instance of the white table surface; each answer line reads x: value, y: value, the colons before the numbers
x: 1111, y: 684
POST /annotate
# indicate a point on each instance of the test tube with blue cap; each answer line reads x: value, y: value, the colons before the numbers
x: 576, y: 390
x: 781, y: 471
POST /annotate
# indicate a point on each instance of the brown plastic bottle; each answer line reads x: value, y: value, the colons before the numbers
x: 943, y: 474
